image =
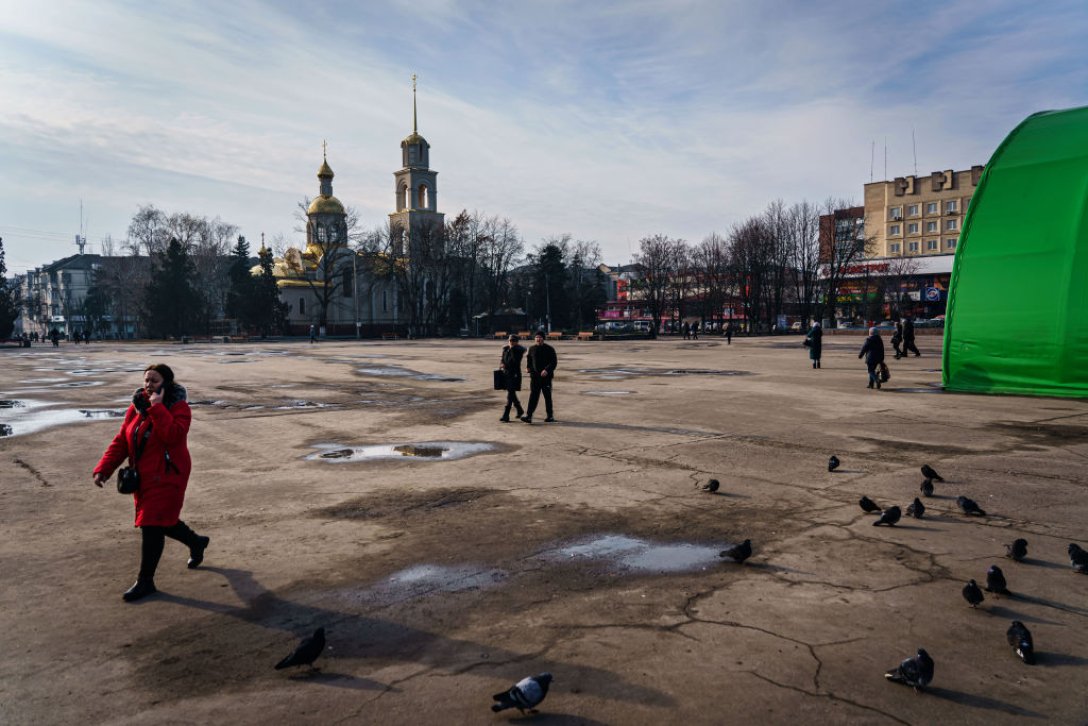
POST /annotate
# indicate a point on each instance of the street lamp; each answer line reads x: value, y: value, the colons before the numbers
x: 355, y: 292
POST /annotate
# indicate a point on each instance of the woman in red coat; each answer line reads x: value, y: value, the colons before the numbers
x: 153, y: 437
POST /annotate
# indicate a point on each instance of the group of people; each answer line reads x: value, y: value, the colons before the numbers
x: 872, y: 350
x: 540, y: 364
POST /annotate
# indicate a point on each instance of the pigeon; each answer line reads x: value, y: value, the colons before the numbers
x: 1018, y: 550
x: 525, y: 695
x: 916, y: 671
x: 927, y: 488
x: 1020, y: 639
x: 868, y: 505
x: 930, y: 473
x: 889, y: 516
x: 916, y: 509
x: 995, y: 581
x: 972, y: 594
x: 306, y: 652
x: 833, y: 463
x: 970, y: 507
x: 1078, y: 558
x: 738, y: 553
x: 711, y: 486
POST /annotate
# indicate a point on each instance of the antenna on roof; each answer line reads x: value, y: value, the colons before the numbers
x: 914, y: 146
x: 81, y: 239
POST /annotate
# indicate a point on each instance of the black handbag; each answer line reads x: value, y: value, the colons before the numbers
x: 128, y: 478
x: 885, y: 374
x: 500, y: 379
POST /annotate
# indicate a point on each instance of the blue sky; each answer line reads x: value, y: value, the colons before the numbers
x: 606, y: 120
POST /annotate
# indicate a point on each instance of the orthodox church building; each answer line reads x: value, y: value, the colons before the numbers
x: 331, y: 285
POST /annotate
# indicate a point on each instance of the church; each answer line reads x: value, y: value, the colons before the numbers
x: 342, y: 288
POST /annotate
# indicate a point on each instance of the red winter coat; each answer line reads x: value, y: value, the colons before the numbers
x: 162, y: 484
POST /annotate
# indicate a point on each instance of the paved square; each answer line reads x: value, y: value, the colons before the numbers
x: 369, y: 488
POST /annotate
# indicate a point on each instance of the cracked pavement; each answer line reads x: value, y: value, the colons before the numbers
x: 800, y: 633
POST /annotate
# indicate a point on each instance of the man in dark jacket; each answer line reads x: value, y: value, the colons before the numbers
x: 908, y: 338
x: 873, y: 351
x: 540, y: 363
x: 512, y: 354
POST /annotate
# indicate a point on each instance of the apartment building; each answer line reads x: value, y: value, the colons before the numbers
x: 918, y: 215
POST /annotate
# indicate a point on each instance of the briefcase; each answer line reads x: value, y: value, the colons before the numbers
x: 500, y: 379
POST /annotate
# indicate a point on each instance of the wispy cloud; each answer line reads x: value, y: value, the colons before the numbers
x: 608, y: 120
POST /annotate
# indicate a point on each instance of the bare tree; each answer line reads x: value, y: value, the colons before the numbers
x: 750, y: 254
x: 323, y: 269
x: 656, y: 259
x: 710, y: 259
x: 803, y: 235
x: 500, y: 248
x: 844, y: 246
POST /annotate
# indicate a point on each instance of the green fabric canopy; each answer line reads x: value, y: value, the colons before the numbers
x: 1017, y: 317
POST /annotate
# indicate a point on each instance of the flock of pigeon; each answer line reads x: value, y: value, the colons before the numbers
x: 917, y: 670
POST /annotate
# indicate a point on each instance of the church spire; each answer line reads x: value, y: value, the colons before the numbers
x: 415, y: 126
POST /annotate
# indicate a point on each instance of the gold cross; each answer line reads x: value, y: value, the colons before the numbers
x: 325, y: 150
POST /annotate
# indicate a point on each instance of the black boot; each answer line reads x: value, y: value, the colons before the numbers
x: 142, y: 588
x: 196, y: 551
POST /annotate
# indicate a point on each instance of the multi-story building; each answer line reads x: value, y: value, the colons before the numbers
x: 918, y: 215
x: 52, y: 296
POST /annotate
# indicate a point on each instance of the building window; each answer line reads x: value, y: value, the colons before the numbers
x: 950, y: 224
x: 912, y: 210
x: 894, y: 248
x: 385, y: 301
x: 302, y: 306
x: 932, y: 245
x: 931, y: 226
x: 895, y: 213
x: 931, y: 207
x: 912, y: 228
x: 893, y: 230
x: 950, y: 207
x: 913, y: 247
x: 950, y: 244
x: 346, y: 283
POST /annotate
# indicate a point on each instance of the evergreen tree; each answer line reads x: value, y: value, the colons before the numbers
x: 241, y: 294
x: 173, y: 305
x: 9, y: 309
x: 270, y: 313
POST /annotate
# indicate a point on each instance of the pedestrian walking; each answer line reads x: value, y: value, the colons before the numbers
x: 729, y: 333
x: 695, y: 330
x: 313, y: 334
x: 897, y: 339
x: 685, y: 330
x: 815, y: 343
x: 540, y: 363
x: 54, y: 335
x: 873, y: 352
x: 153, y: 438
x: 512, y: 353
x: 908, y: 338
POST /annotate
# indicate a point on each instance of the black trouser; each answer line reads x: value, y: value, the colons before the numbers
x: 512, y: 400
x: 538, y: 385
x: 910, y: 347
x: 155, y: 539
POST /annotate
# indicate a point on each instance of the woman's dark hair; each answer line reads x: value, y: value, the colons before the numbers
x: 163, y: 370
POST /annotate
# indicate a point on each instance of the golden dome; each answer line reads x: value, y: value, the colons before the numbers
x: 325, y: 170
x: 325, y: 205
x: 415, y: 138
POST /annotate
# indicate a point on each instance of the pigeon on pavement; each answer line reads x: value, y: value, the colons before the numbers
x: 525, y: 695
x: 930, y: 473
x: 833, y: 463
x: 1022, y: 643
x: 868, y: 505
x: 972, y: 594
x: 711, y: 486
x: 916, y: 509
x: 995, y: 581
x: 306, y: 652
x: 889, y: 516
x: 1018, y: 550
x: 927, y: 488
x: 1078, y: 558
x: 916, y: 671
x: 970, y: 507
x: 738, y: 553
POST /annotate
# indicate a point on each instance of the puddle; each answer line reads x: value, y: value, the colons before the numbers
x: 33, y: 416
x: 425, y: 580
x: 412, y: 451
x: 398, y: 372
x: 293, y: 405
x: 8, y: 403
x: 607, y: 393
x: 632, y: 554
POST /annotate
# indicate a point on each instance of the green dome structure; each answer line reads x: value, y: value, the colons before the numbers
x: 1017, y: 316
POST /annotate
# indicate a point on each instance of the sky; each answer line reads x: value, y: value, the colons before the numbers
x: 607, y: 120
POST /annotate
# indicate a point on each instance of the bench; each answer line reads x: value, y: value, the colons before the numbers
x: 555, y: 336
x: 525, y: 335
x: 389, y: 336
x: 502, y: 334
x: 586, y: 336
